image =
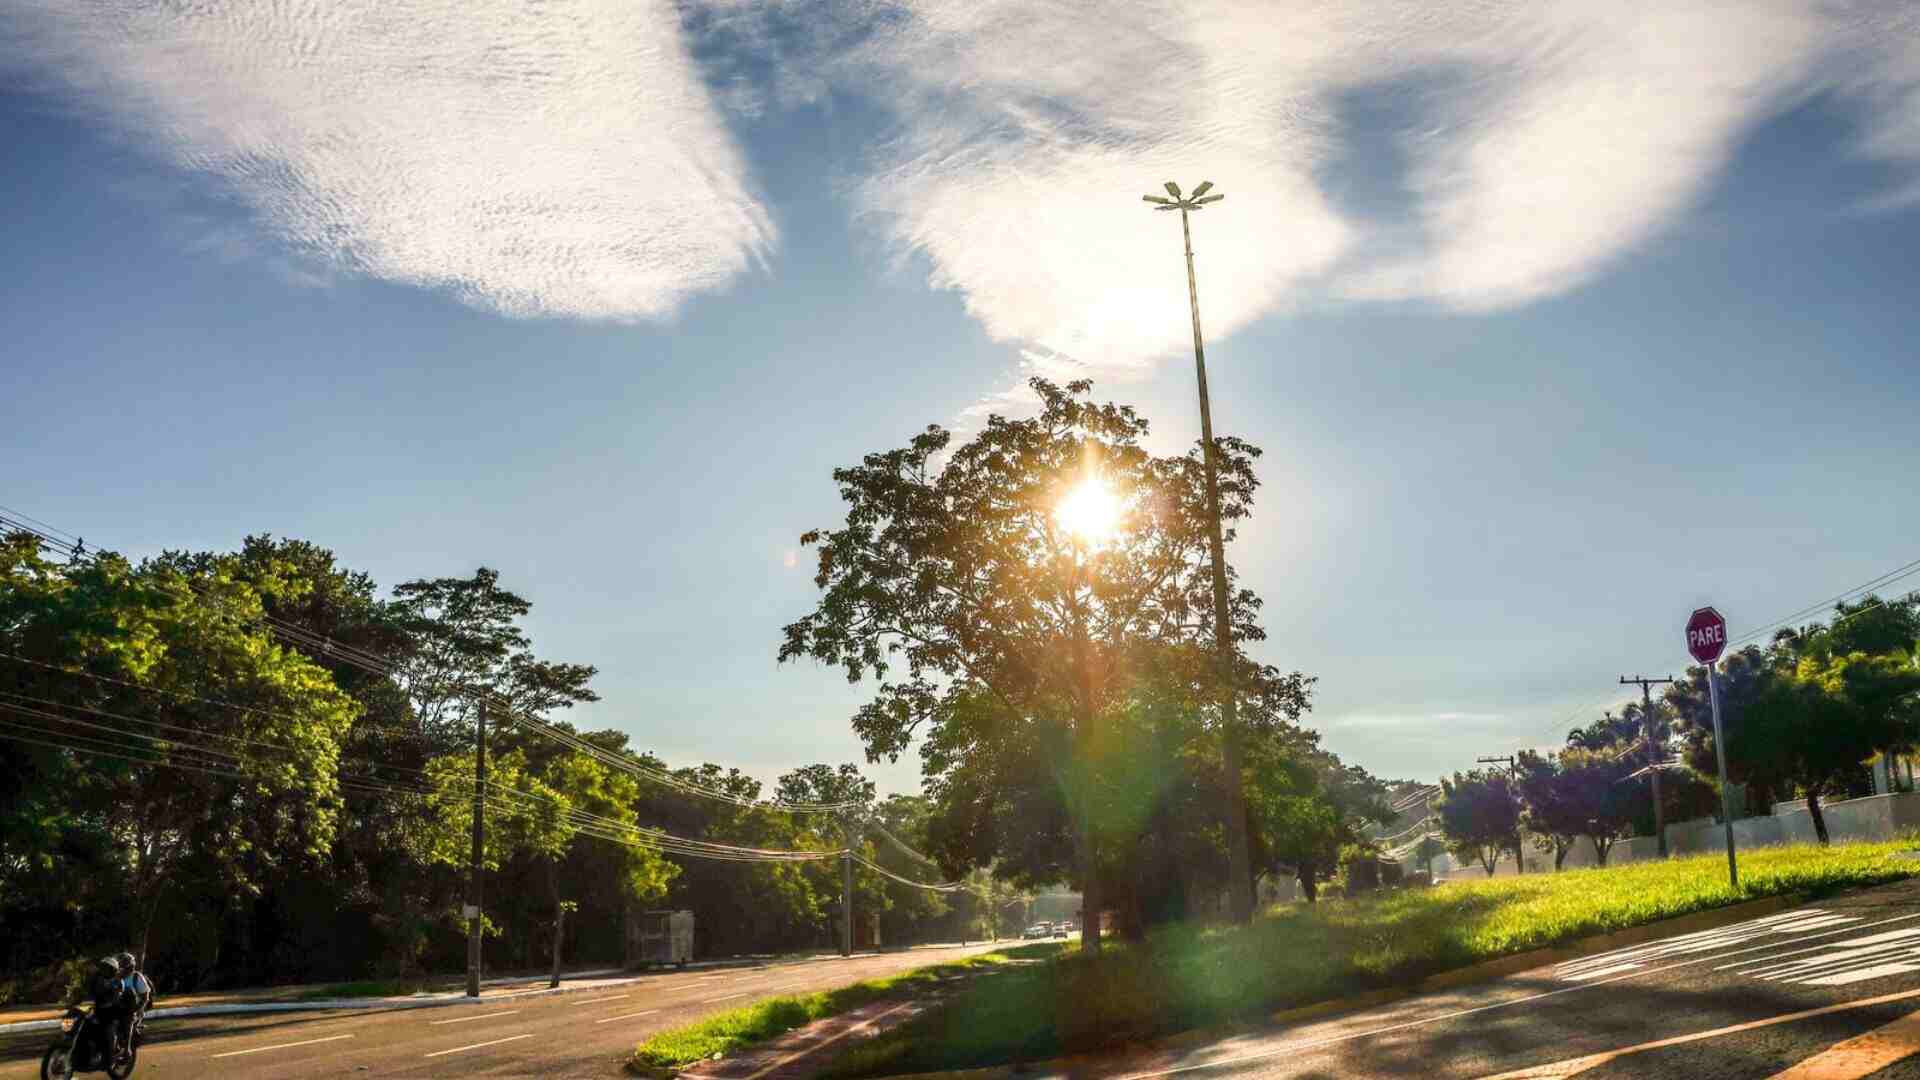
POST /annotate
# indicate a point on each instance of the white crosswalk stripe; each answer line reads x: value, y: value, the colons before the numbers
x: 1638, y: 956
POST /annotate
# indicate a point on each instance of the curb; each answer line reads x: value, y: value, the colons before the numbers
x: 1483, y: 972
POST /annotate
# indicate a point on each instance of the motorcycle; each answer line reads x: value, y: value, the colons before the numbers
x: 85, y: 1045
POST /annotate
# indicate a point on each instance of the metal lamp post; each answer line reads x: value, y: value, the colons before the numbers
x: 1239, y: 864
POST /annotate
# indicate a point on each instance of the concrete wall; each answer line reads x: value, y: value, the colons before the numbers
x: 1867, y: 819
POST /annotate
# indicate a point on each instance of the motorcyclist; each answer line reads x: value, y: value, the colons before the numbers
x: 110, y: 1002
x: 137, y: 995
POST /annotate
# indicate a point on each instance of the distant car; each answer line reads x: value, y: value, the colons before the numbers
x: 1037, y: 930
x: 1062, y: 929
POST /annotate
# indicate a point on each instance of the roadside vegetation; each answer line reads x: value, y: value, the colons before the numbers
x: 736, y: 1029
x: 1182, y: 977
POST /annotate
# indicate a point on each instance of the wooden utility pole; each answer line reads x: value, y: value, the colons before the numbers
x: 479, y: 842
x: 1654, y: 756
x: 1519, y: 841
x: 846, y: 888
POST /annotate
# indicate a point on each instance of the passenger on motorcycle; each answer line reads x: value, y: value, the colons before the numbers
x: 138, y: 994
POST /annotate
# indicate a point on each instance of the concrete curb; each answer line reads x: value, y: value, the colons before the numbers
x: 1484, y: 972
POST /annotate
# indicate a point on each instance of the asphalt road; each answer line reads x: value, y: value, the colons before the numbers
x: 1819, y: 992
x: 583, y: 1033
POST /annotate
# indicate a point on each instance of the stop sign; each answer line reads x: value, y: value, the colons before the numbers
x: 1706, y: 635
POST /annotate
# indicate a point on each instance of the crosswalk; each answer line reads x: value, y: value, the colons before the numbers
x: 1751, y: 932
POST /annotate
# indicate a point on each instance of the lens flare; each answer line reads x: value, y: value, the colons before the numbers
x: 1091, y: 512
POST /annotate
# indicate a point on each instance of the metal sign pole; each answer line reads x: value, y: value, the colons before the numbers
x: 1720, y: 752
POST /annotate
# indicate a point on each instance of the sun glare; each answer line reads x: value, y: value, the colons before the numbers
x: 1091, y: 512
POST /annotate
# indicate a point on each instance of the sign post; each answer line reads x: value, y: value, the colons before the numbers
x: 1706, y: 640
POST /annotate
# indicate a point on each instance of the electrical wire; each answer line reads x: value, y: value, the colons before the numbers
x: 379, y: 666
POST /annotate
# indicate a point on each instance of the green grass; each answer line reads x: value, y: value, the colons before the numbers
x: 1185, y: 977
x: 734, y: 1029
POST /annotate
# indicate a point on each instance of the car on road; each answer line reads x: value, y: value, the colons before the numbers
x: 1062, y: 929
x: 1037, y: 930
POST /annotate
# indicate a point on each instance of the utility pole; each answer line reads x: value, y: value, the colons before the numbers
x: 479, y: 840
x: 1239, y: 860
x: 1519, y: 841
x: 846, y: 887
x: 1654, y: 756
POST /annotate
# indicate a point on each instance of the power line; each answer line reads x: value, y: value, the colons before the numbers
x: 379, y: 666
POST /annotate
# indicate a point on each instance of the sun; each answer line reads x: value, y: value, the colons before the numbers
x: 1091, y: 512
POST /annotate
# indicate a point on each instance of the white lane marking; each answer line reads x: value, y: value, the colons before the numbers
x: 596, y: 1001
x: 722, y: 997
x: 476, y: 1016
x: 476, y: 1046
x: 282, y: 1046
x: 629, y: 1016
x: 1313, y: 1044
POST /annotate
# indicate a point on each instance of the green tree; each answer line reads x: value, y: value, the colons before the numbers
x: 953, y: 565
x: 211, y: 743
x: 1812, y: 727
x: 1581, y: 793
x: 1479, y: 813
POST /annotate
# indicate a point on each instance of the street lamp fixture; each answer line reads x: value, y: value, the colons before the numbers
x: 1239, y: 860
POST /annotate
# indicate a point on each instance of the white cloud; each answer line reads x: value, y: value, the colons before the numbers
x: 563, y: 159
x: 1555, y: 136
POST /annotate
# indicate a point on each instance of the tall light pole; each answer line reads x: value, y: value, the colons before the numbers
x: 1239, y: 864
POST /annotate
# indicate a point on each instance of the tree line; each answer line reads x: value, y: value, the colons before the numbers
x: 243, y: 806
x: 1803, y: 717
x: 182, y: 779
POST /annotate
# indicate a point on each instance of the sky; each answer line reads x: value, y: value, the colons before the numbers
x: 1554, y: 320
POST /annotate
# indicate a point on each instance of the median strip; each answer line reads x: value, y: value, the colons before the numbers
x: 769, y: 1017
x: 478, y: 1046
x: 281, y: 1046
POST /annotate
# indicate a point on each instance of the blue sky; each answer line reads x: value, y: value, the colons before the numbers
x: 1553, y: 324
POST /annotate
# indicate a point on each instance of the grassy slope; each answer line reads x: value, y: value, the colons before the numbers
x: 1185, y: 977
x: 726, y: 1032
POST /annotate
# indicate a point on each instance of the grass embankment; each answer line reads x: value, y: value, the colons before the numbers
x: 734, y: 1029
x: 1187, y: 977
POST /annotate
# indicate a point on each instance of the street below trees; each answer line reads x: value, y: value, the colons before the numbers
x: 586, y: 1032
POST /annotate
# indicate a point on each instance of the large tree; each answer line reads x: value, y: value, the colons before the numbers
x: 1813, y: 726
x: 207, y: 741
x: 1027, y: 569
x: 1479, y: 813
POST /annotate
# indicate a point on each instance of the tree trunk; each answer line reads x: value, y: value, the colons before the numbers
x: 1309, y: 886
x: 1560, y: 854
x: 559, y: 917
x: 1819, y: 819
x: 1600, y: 850
x: 1490, y: 860
x: 1089, y: 887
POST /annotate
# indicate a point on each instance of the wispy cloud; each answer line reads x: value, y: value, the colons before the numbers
x: 561, y: 159
x: 1560, y: 136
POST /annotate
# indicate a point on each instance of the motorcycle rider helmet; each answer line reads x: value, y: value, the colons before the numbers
x: 106, y: 979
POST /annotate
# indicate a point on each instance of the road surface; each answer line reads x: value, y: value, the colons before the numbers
x: 1826, y: 991
x: 585, y: 1033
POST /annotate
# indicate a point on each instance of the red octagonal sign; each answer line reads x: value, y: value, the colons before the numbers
x: 1706, y: 635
